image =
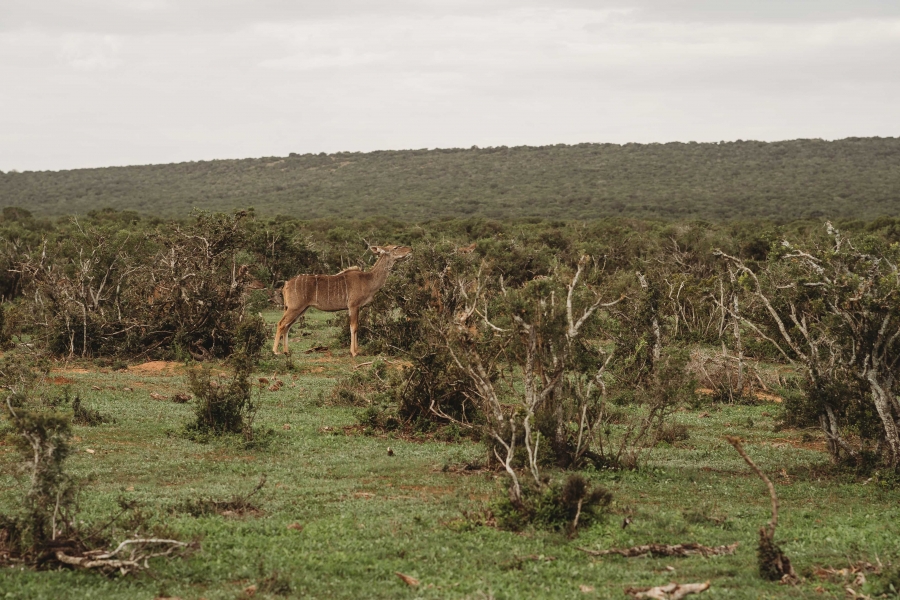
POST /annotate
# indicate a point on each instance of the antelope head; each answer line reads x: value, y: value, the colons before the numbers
x: 394, y: 252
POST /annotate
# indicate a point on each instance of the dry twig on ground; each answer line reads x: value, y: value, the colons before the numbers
x: 773, y: 563
x: 139, y: 555
x: 672, y: 591
x: 657, y: 550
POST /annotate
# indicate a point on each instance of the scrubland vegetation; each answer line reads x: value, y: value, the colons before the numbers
x: 855, y: 177
x: 542, y: 408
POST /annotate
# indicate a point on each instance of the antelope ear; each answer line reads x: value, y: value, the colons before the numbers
x: 376, y: 249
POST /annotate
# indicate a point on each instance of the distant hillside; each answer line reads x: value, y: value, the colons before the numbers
x: 855, y: 177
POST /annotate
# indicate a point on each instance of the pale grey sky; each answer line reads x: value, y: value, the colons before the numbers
x: 86, y: 83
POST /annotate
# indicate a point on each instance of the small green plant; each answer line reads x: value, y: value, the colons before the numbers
x: 238, y: 504
x: 224, y: 407
x: 250, y: 337
x: 275, y: 583
x: 568, y: 506
x: 380, y: 417
x: 886, y: 585
x: 84, y: 415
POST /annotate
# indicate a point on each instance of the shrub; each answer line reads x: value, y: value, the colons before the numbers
x: 42, y: 440
x: 380, y: 417
x: 4, y: 334
x: 226, y: 407
x: 250, y: 337
x: 123, y: 293
x: 559, y: 507
x: 19, y: 374
x: 222, y: 407
x: 83, y: 415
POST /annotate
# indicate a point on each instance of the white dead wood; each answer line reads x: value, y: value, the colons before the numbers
x: 138, y: 558
x: 672, y: 591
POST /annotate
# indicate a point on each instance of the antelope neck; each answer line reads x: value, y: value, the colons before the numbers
x: 381, y: 268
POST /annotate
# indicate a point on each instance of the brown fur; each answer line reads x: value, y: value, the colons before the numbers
x: 349, y: 290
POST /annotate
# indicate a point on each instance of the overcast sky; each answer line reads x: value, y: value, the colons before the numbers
x: 87, y: 83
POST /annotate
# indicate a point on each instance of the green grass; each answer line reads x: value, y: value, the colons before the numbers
x: 367, y: 515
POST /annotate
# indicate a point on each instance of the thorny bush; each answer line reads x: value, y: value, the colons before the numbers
x: 566, y: 507
x: 534, y: 367
x: 226, y: 406
x: 833, y: 309
x: 112, y: 292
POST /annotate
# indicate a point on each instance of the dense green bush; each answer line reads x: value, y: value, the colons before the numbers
x: 566, y: 506
x: 221, y: 406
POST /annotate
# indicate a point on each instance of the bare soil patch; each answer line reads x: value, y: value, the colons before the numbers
x: 158, y: 367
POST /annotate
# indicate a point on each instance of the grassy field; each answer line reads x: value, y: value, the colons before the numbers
x: 339, y: 517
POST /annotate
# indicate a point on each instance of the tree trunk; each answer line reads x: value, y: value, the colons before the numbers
x: 883, y: 405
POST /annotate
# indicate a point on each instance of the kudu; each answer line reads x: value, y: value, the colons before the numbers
x: 349, y: 290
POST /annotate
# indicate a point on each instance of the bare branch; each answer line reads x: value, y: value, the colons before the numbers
x: 736, y: 442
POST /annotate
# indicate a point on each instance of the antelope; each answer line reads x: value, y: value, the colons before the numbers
x: 349, y: 290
